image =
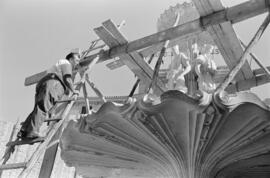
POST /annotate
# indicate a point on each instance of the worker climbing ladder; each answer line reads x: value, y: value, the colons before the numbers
x: 53, y: 132
x: 50, y: 142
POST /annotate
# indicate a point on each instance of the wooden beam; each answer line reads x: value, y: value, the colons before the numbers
x: 243, y: 85
x: 234, y: 14
x: 34, y: 78
x: 222, y: 72
x: 265, y: 69
x: 224, y: 37
x: 48, y: 161
x: 106, y: 36
x: 137, y: 68
x: 260, y: 71
x: 133, y: 60
x: 13, y: 166
x: 160, y: 58
x: 85, y: 94
x: 242, y: 60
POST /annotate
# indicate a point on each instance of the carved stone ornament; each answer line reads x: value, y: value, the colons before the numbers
x: 176, y: 138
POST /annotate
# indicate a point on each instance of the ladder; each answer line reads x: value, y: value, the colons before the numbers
x: 51, y: 141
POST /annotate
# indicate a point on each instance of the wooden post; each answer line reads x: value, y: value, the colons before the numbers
x: 137, y: 83
x: 190, y: 78
x: 48, y: 161
x: 162, y: 52
x: 242, y: 60
x: 157, y: 66
x: 88, y: 111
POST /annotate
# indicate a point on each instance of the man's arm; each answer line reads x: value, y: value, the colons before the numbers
x: 66, y: 69
x: 67, y: 79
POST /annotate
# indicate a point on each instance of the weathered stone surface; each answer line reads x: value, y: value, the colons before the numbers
x: 176, y: 138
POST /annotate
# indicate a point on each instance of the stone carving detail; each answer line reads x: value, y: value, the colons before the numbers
x: 176, y: 138
x: 192, y: 69
x: 183, y: 133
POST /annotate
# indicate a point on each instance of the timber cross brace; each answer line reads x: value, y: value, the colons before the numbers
x: 212, y: 20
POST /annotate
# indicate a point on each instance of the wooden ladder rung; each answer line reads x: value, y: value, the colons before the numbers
x: 13, y: 166
x: 64, y: 101
x: 49, y: 120
x: 25, y: 141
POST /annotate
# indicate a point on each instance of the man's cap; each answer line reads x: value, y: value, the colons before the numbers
x: 76, y: 51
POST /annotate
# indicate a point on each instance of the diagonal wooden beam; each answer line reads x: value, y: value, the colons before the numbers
x: 243, y: 58
x: 265, y: 69
x: 133, y: 59
x: 224, y: 37
x: 234, y: 14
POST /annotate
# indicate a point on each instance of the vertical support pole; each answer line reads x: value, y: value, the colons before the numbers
x: 190, y: 78
x: 157, y: 66
x: 159, y: 61
x: 86, y: 99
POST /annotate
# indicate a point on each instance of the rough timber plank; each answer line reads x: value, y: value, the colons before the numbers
x: 34, y: 78
x: 234, y: 14
x: 12, y: 166
x: 243, y: 85
x: 224, y: 37
x: 243, y: 58
x: 48, y: 161
x: 107, y: 37
x: 133, y: 56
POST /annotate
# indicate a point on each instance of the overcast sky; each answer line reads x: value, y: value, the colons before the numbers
x: 34, y: 34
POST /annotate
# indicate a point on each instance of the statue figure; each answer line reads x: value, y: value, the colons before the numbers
x: 179, y: 67
x: 205, y: 68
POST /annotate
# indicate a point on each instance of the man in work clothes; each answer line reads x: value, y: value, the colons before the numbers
x: 50, y: 89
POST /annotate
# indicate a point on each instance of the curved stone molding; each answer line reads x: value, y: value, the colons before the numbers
x: 176, y: 138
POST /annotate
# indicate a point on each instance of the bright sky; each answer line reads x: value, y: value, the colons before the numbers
x: 35, y: 34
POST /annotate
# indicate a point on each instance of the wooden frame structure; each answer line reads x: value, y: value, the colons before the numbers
x: 153, y: 43
x: 216, y: 19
